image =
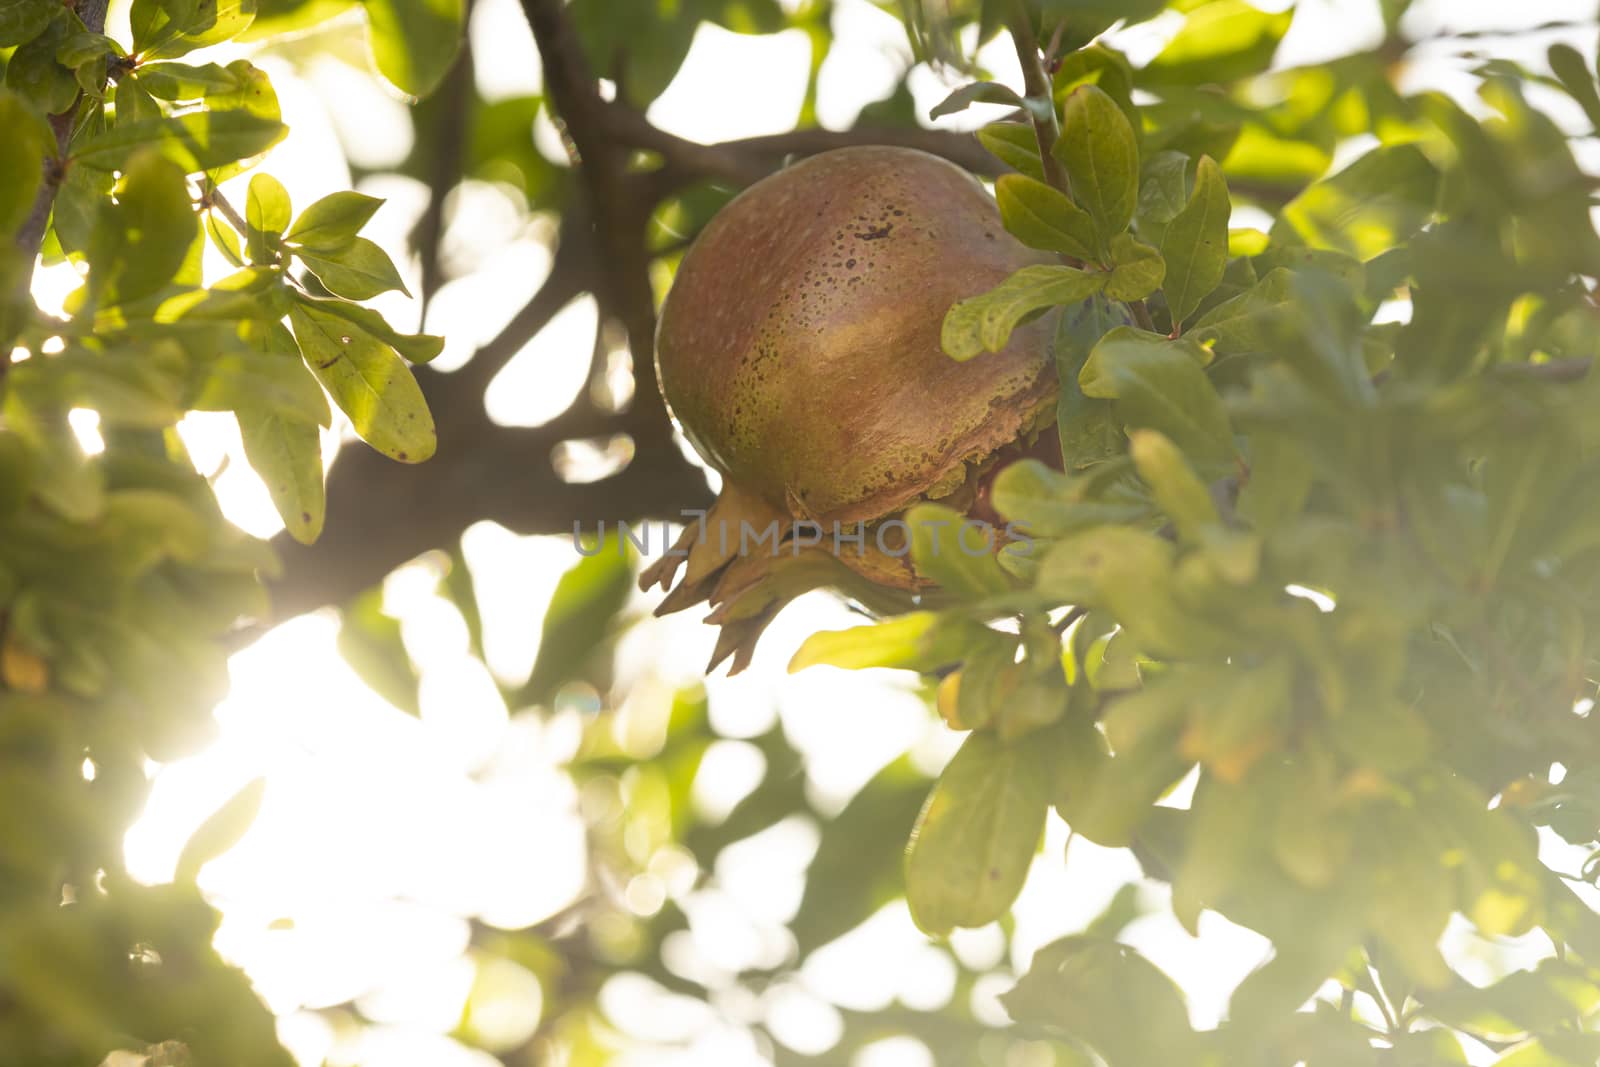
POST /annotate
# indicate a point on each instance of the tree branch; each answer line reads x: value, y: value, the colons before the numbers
x: 381, y: 514
x: 448, y: 121
x: 619, y: 219
x: 30, y: 238
x: 571, y: 275
x: 1036, y: 84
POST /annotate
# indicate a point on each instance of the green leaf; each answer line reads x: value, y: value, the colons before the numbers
x: 979, y: 687
x: 1177, y: 489
x: 287, y: 454
x: 979, y: 93
x: 1554, y: 1050
x: 267, y: 213
x: 1138, y: 269
x: 852, y: 875
x: 29, y: 143
x: 197, y: 141
x: 1128, y: 573
x: 359, y: 270
x: 369, y: 382
x: 977, y: 833
x: 1100, y: 150
x: 955, y: 551
x: 1015, y: 145
x: 1042, y: 217
x: 1247, y: 323
x: 1088, y: 434
x: 984, y: 323
x: 34, y: 72
x: 1219, y: 42
x: 224, y: 237
x: 1108, y: 11
x: 415, y: 42
x: 644, y: 64
x: 268, y: 381
x: 582, y: 613
x: 221, y: 831
x: 1095, y: 65
x: 255, y: 293
x: 1245, y: 720
x: 82, y: 48
x: 283, y: 18
x: 183, y: 81
x: 165, y: 29
x: 1519, y: 1005
x: 1569, y: 68
x: 141, y: 241
x: 240, y: 86
x: 333, y: 220
x: 1109, y: 997
x: 1043, y: 502
x: 417, y: 348
x: 1373, y: 205
x: 1196, y: 243
x: 921, y: 641
x: 267, y: 205
x: 370, y: 642
x: 23, y: 20
x: 1163, y: 192
x: 1159, y: 385
x: 133, y: 103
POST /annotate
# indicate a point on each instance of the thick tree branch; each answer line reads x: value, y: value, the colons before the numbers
x: 619, y: 219
x: 382, y: 514
x: 571, y: 274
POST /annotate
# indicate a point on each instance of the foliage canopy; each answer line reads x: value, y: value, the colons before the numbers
x: 1326, y: 538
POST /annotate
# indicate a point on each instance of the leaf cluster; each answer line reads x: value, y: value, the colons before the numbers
x: 1332, y: 565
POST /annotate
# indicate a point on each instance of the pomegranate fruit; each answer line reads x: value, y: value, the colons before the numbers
x: 798, y: 350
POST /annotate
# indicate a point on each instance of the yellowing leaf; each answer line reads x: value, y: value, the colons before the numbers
x: 369, y: 382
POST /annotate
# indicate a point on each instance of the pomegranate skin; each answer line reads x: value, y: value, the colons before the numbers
x: 799, y: 345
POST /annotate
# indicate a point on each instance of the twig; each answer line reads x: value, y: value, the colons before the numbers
x: 1037, y: 86
x: 211, y: 197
